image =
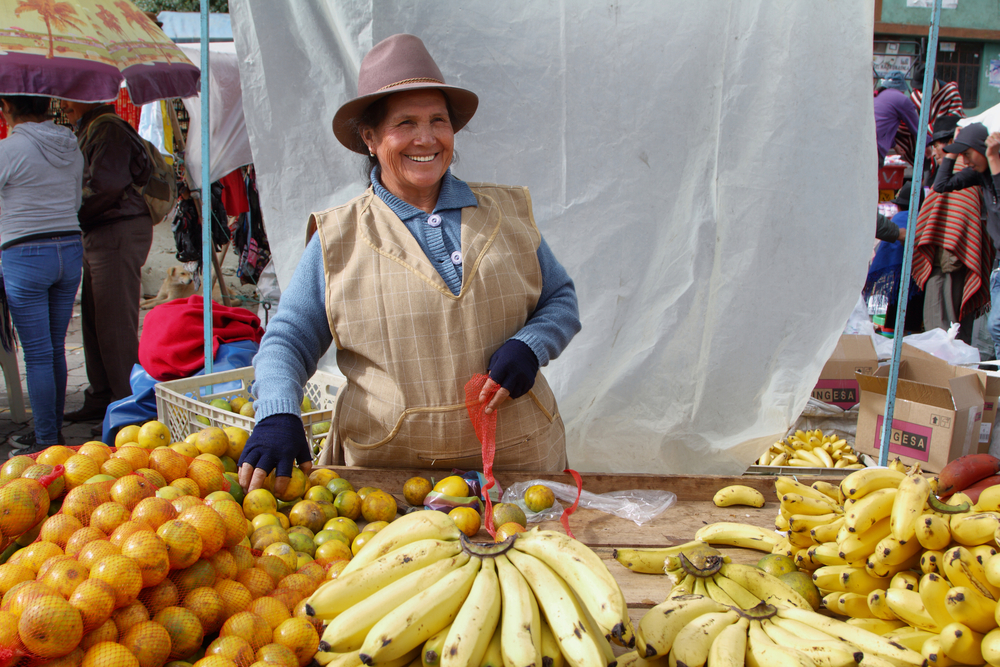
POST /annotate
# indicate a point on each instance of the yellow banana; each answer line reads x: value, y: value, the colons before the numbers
x: 831, y: 602
x: 719, y: 595
x: 962, y: 569
x: 962, y: 644
x: 868, y: 642
x: 891, y: 551
x: 847, y: 579
x: 743, y: 598
x: 765, y: 586
x: 908, y: 506
x: 858, y: 546
x: 430, y: 654
x: 796, y: 503
x: 584, y: 572
x: 879, y: 626
x: 660, y: 626
x: 694, y: 642
x: 730, y: 534
x: 803, y: 523
x: 930, y: 561
x: 477, y: 619
x: 781, y: 522
x: 869, y: 510
x: 649, y: 560
x: 878, y: 606
x: 991, y: 569
x: 989, y: 500
x: 784, y: 484
x: 347, y: 631
x: 551, y: 655
x: 827, y: 532
x: 934, y: 655
x: 854, y: 605
x: 863, y: 482
x: 326, y: 659
x: 967, y: 606
x: 419, y: 618
x: 784, y: 546
x: 763, y: 652
x: 907, y: 580
x: 828, y: 653
x: 730, y: 646
x: 990, y: 648
x: 800, y: 539
x: 409, y: 528
x: 738, y: 494
x: 804, y: 559
x: 933, y: 590
x: 826, y: 554
x: 909, y: 606
x: 933, y: 532
x: 521, y: 636
x: 875, y: 567
x: 974, y: 528
x: 561, y: 608
x: 831, y: 491
x: 910, y: 637
x: 494, y: 651
x: 983, y: 552
x: 336, y: 595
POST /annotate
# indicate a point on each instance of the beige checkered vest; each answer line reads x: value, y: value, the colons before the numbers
x: 407, y: 345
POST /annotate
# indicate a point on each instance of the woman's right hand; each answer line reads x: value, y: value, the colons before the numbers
x: 276, y: 442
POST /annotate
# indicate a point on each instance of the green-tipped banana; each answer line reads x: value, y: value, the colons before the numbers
x: 521, y: 636
x: 430, y: 654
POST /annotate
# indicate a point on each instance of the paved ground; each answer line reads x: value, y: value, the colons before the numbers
x: 75, y: 434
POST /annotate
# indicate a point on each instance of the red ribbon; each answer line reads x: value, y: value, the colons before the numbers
x: 485, y: 426
x: 564, y: 519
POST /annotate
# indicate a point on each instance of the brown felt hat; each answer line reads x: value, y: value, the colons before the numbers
x: 394, y: 65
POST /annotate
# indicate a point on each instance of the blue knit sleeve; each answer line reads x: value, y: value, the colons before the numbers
x: 557, y: 316
x: 297, y: 336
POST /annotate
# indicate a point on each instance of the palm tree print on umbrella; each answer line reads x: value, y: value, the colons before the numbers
x: 61, y: 14
x: 137, y: 17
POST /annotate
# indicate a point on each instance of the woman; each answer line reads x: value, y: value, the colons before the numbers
x: 41, y: 181
x: 421, y: 283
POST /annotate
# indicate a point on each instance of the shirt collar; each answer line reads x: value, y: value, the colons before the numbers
x: 454, y: 194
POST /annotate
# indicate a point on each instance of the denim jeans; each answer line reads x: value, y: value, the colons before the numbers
x: 41, y: 279
x: 993, y: 321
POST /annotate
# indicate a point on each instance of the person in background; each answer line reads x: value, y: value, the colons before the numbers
x: 942, y: 134
x: 981, y: 151
x: 41, y: 175
x: 945, y: 101
x: 892, y: 108
x: 886, y: 266
x: 117, y: 235
x: 422, y: 283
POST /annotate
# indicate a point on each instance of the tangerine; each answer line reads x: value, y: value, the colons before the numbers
x: 117, y: 467
x: 235, y: 596
x: 307, y: 513
x: 109, y: 516
x: 212, y: 440
x: 150, y: 553
x: 237, y: 441
x: 136, y: 456
x: 233, y: 520
x: 126, y: 530
x: 259, y: 501
x: 169, y: 463
x: 277, y: 653
x: 197, y: 576
x: 358, y: 543
x: 244, y: 557
x: 257, y: 581
x: 123, y: 574
x: 80, y: 468
x: 129, y: 615
x: 126, y: 435
x: 207, y: 476
x: 149, y: 642
x: 322, y: 476
x: 95, y: 450
x: 453, y: 485
x: 268, y: 535
x: 224, y: 563
x: 248, y: 626
x: 58, y: 528
x: 467, y: 520
x: 81, y: 538
x: 348, y: 504
x: 153, y: 477
x: 17, y: 509
x: 334, y: 568
x: 299, y: 581
x: 72, y: 659
x: 186, y: 447
x: 507, y: 513
x: 154, y: 511
x: 131, y: 489
x: 183, y: 543
x: 284, y: 552
x: 65, y: 575
x: 8, y: 629
x: 95, y: 599
x: 109, y: 654
x: 184, y: 628
x: 161, y: 596
x: 270, y: 609
x: 106, y: 632
x: 365, y: 490
x: 55, y: 455
x: 300, y: 636
x: 209, y: 525
x: 378, y: 506
x: 50, y: 627
x: 95, y: 550
x: 36, y: 553
x: 153, y: 434
x: 81, y: 502
x: 207, y: 605
x: 507, y: 529
x: 273, y: 566
x: 337, y: 485
x: 539, y: 497
x: 38, y: 471
x: 12, y: 574
x: 343, y: 525
x: 374, y: 526
x: 415, y: 490
x: 23, y: 595
x: 335, y: 550
x: 296, y: 487
x: 184, y: 502
x: 14, y: 466
x: 232, y: 648
x: 289, y: 597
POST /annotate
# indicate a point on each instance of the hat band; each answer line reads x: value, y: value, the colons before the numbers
x: 406, y: 81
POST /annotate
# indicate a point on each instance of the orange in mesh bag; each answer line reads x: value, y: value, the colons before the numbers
x: 124, y: 577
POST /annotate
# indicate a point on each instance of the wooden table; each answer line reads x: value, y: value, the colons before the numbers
x: 603, y: 532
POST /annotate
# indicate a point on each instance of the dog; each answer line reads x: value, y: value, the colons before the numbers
x: 179, y: 284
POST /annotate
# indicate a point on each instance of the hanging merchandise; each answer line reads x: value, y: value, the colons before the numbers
x: 186, y: 225
x: 220, y: 221
x: 250, y: 239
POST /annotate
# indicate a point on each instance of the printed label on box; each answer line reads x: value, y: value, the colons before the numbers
x: 842, y: 393
x: 907, y: 439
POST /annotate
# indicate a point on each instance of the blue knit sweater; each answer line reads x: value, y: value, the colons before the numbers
x: 299, y: 333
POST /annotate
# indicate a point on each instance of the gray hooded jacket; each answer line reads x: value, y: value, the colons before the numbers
x: 41, y: 182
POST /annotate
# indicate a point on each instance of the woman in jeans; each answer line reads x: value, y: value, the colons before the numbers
x: 41, y: 176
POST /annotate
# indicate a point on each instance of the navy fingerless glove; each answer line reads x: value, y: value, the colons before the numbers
x: 277, y: 442
x: 514, y: 367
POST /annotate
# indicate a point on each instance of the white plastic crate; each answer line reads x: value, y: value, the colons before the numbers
x: 179, y: 403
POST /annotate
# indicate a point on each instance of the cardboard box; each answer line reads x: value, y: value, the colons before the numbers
x: 936, y: 417
x: 837, y: 384
x: 990, y: 381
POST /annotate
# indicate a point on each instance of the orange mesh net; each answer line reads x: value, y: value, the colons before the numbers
x: 485, y: 426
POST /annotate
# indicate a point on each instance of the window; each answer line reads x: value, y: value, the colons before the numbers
x: 961, y: 65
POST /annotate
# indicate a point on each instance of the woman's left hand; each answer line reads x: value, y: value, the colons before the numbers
x: 495, y: 399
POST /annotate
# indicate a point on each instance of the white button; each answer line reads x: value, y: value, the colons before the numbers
x: 434, y: 220
x: 456, y: 257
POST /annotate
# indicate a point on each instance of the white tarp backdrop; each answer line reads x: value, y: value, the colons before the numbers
x: 705, y: 171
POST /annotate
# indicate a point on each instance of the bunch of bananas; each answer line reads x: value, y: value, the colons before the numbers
x: 697, y: 630
x: 421, y: 592
x: 811, y: 449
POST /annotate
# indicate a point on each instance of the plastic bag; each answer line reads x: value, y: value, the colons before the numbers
x: 945, y: 345
x: 638, y: 505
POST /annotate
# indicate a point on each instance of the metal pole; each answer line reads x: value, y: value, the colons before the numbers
x: 911, y: 225
x: 206, y: 192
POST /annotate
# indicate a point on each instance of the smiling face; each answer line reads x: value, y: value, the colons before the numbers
x: 414, y: 144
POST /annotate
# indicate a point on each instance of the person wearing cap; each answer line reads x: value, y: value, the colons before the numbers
x: 942, y: 133
x: 981, y: 151
x: 885, y: 269
x: 421, y: 283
